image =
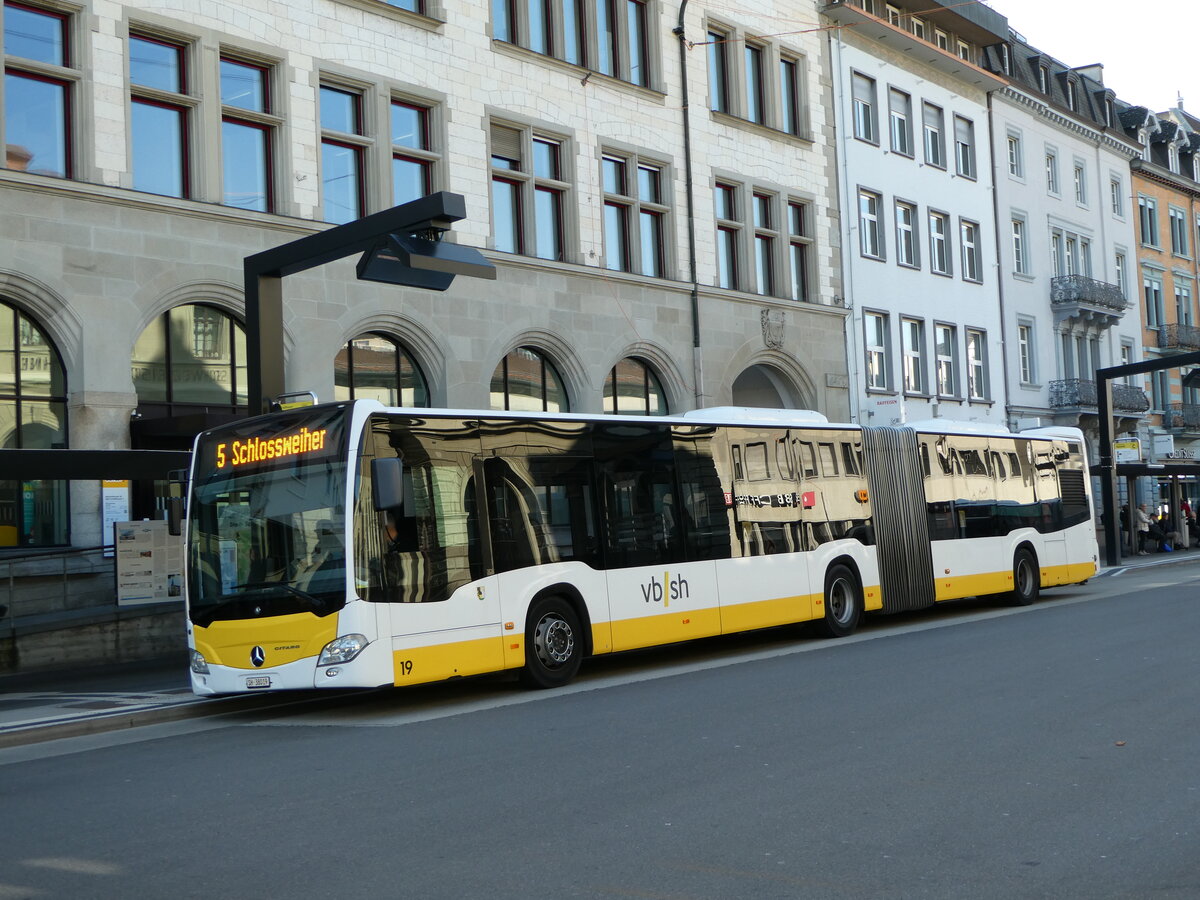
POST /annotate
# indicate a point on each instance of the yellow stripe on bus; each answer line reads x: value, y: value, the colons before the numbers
x: 954, y: 587
x: 437, y: 662
x: 283, y: 639
x: 768, y: 613
x: 666, y: 628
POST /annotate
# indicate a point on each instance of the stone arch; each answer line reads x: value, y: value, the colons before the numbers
x: 60, y: 323
x: 782, y: 372
x: 665, y: 367
x: 426, y: 349
x: 566, y: 362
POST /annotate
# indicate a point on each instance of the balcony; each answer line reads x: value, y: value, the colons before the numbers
x: 972, y: 20
x: 1079, y: 395
x: 1087, y: 300
x: 1183, y: 417
x: 1178, y: 337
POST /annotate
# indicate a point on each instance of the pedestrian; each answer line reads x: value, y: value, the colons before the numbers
x: 1147, y: 530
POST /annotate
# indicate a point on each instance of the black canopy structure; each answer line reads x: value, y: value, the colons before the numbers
x: 1107, y: 470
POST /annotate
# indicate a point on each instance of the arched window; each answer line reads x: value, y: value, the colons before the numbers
x: 33, y: 416
x: 632, y: 389
x: 192, y: 355
x: 526, y: 380
x: 373, y: 366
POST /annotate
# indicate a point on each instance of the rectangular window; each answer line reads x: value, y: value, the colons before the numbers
x: 718, y: 70
x: 766, y: 242
x: 607, y: 36
x: 935, y: 135
x: 528, y: 192
x: 247, y: 135
x: 39, y: 84
x: 913, y: 335
x: 1080, y: 181
x: 1179, y: 231
x: 907, y: 250
x: 964, y: 146
x: 977, y: 365
x: 863, y: 90
x: 1051, y: 171
x: 1152, y: 288
x: 1025, y: 349
x: 1116, y: 197
x: 756, y: 110
x: 413, y: 156
x: 969, y: 235
x: 1020, y: 247
x: 160, y: 107
x: 900, y: 117
x: 799, y: 241
x: 343, y: 176
x: 1016, y: 159
x: 939, y: 235
x: 729, y: 230
x: 791, y: 96
x: 965, y: 51
x: 878, y: 361
x: 946, y: 340
x: 870, y: 236
x: 1119, y: 271
x: 634, y: 215
x: 1183, y: 302
x: 1148, y: 220
x: 941, y: 39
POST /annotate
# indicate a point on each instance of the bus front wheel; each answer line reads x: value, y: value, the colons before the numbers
x: 1026, y: 579
x: 553, y: 644
x: 843, y: 602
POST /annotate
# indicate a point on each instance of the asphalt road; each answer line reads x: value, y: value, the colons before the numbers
x: 968, y: 752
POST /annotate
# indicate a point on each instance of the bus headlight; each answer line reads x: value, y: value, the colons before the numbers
x: 342, y: 649
x: 199, y: 663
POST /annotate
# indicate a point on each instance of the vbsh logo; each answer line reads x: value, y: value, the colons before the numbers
x: 666, y: 590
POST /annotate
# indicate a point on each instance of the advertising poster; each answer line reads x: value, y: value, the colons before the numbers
x: 149, y: 563
x: 114, y: 508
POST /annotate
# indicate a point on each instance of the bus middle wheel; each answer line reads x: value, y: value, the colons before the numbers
x: 553, y: 644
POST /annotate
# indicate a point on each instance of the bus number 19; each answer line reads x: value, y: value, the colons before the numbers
x: 405, y: 666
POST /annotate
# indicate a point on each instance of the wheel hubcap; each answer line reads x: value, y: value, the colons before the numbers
x: 554, y: 640
x: 840, y: 603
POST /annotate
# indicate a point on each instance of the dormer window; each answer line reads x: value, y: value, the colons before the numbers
x: 1044, y: 79
x: 1005, y: 60
x: 1072, y: 99
x: 1144, y: 140
x: 1173, y: 158
x: 1108, y: 112
x: 1196, y: 166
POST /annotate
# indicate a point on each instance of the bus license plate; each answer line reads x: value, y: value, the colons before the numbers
x: 258, y: 681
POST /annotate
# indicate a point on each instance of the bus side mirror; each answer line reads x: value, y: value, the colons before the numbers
x: 387, y: 483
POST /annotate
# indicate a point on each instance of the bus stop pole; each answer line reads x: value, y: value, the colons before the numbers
x: 1108, y: 472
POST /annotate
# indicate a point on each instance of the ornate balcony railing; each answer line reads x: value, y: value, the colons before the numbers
x: 1079, y: 297
x: 1185, y: 416
x: 1079, y: 393
x: 1178, y: 337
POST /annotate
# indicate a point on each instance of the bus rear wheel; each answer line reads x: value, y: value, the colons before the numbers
x: 1026, y: 579
x: 553, y: 644
x: 843, y: 602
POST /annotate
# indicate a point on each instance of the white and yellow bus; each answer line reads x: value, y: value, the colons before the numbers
x: 351, y: 545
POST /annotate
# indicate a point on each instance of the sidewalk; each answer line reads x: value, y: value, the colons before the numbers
x: 46, y: 706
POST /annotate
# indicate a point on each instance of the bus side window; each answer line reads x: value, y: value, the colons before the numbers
x: 806, y: 458
x: 829, y: 464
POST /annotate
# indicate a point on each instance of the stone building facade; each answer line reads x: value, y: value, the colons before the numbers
x: 664, y: 231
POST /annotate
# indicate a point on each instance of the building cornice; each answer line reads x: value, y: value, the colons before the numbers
x: 1165, y: 177
x: 1113, y: 140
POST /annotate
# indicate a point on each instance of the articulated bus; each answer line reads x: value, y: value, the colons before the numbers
x: 350, y: 545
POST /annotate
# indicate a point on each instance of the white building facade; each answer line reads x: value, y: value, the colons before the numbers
x: 1068, y: 251
x: 918, y: 230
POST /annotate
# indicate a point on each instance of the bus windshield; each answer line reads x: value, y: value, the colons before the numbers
x: 267, y: 529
